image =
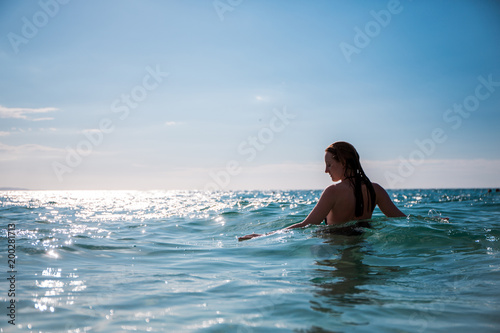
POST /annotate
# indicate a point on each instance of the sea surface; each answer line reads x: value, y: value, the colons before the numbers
x: 170, y: 261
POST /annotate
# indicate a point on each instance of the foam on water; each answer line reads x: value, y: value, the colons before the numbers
x: 170, y: 261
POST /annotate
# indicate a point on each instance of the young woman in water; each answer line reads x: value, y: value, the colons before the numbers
x: 352, y: 197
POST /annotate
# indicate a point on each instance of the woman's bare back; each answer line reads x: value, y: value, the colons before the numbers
x: 344, y: 206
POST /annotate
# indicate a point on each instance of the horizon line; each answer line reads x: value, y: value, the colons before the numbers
x: 20, y: 189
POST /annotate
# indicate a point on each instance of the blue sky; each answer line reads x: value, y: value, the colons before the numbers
x: 247, y: 94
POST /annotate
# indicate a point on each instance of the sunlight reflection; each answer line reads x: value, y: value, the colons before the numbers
x: 52, y: 272
x: 52, y: 254
x: 54, y: 291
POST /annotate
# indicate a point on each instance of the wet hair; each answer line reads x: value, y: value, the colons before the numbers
x: 346, y: 154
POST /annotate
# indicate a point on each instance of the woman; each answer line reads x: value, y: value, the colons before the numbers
x: 352, y: 197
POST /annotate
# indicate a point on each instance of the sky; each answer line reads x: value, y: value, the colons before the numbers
x: 247, y: 94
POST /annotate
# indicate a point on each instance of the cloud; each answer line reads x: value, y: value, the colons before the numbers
x: 50, y: 129
x: 25, y: 113
x: 42, y: 119
x: 8, y: 152
x: 172, y: 123
x: 4, y: 133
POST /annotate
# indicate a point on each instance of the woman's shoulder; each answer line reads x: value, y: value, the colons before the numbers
x: 338, y: 189
x: 380, y: 193
x: 378, y: 189
x: 345, y: 188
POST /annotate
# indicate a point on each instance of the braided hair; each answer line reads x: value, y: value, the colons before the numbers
x: 346, y: 154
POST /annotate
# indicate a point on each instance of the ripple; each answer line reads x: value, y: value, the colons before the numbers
x: 101, y: 247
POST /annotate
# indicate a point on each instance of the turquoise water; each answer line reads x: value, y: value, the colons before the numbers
x: 170, y: 261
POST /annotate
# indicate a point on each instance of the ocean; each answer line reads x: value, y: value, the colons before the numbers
x: 170, y: 261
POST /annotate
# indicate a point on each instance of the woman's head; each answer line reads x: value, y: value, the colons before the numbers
x: 345, y: 154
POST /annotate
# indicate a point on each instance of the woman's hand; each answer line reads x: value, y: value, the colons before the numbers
x: 296, y: 225
x: 249, y: 237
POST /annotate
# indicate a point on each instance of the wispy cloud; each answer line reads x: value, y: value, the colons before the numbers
x: 172, y: 123
x: 8, y: 152
x: 2, y: 133
x: 25, y: 113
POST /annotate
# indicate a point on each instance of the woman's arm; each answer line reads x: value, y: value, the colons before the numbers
x: 385, y: 203
x: 316, y: 216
